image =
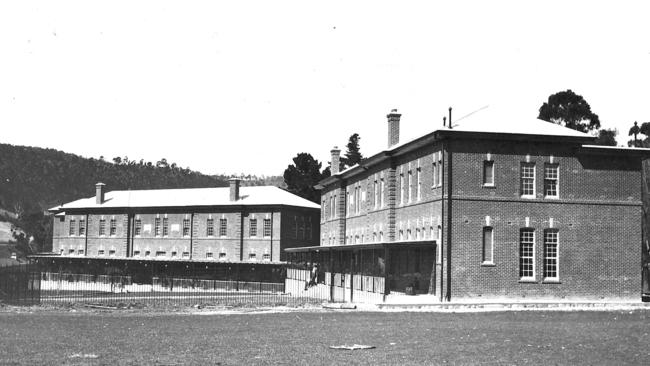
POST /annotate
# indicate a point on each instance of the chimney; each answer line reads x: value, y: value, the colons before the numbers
x: 393, y: 127
x: 335, y: 163
x: 234, y: 189
x: 99, y: 193
x: 450, y: 118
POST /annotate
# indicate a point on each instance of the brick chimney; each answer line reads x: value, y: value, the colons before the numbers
x: 336, y: 160
x: 393, y: 127
x: 234, y: 188
x: 99, y: 193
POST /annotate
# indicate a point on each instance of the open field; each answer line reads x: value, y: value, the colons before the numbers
x: 303, y: 338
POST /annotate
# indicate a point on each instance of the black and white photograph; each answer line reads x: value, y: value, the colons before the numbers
x: 294, y: 182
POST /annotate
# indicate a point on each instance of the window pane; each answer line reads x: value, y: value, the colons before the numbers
x: 488, y: 172
x: 527, y: 179
x: 550, y: 254
x: 551, y: 180
x: 527, y: 253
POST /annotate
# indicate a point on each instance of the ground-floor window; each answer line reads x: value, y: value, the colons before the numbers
x: 550, y: 255
x: 488, y: 245
x: 527, y: 254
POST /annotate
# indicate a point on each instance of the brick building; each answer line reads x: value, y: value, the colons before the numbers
x: 231, y: 224
x: 490, y: 207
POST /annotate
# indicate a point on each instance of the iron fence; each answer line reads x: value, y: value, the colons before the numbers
x: 229, y: 286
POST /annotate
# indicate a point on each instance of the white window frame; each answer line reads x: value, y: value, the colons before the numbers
x: 532, y: 257
x: 556, y: 278
x: 523, y: 179
x: 557, y: 180
x: 485, y: 167
x: 485, y: 259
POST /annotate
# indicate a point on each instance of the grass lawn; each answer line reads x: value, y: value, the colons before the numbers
x: 529, y: 337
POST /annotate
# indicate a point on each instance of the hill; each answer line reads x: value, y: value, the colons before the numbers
x: 34, y: 179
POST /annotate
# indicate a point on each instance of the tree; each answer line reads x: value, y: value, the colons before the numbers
x: 569, y: 109
x: 33, y: 232
x: 635, y: 131
x: 302, y: 176
x: 352, y: 154
x: 606, y: 137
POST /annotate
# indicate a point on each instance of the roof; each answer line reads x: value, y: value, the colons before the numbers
x: 485, y: 122
x: 191, y: 197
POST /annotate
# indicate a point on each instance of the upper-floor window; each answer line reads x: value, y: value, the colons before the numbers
x: 102, y: 227
x: 156, y: 226
x: 410, y: 186
x: 488, y: 173
x: 186, y: 227
x: 357, y: 203
x: 418, y: 178
x: 137, y: 227
x: 439, y: 169
x: 82, y: 227
x: 401, y: 188
x: 551, y: 180
x: 210, y: 227
x: 267, y: 227
x: 382, y: 187
x: 165, y: 226
x: 434, y: 171
x: 252, y: 229
x: 375, y: 190
x: 113, y: 228
x: 527, y: 172
x: 72, y: 224
x: 223, y: 227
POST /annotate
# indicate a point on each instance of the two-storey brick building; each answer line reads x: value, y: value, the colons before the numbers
x: 230, y: 224
x: 488, y: 208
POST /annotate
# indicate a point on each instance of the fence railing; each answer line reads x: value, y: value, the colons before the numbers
x: 22, y: 285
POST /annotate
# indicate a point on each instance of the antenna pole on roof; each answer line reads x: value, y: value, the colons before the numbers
x: 450, y: 118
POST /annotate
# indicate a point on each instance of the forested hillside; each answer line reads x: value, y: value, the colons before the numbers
x: 33, y: 179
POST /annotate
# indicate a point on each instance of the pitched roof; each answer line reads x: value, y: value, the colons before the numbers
x: 249, y: 196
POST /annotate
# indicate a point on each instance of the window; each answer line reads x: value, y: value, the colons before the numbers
x: 208, y: 255
x: 267, y: 228
x: 147, y: 253
x: 111, y: 252
x: 375, y: 188
x: 186, y: 227
x: 71, y: 251
x: 382, y: 185
x: 136, y: 253
x: 488, y: 245
x: 210, y: 228
x: 174, y: 254
x: 222, y: 255
x: 72, y: 227
x: 551, y: 255
x: 419, y: 182
x: 252, y: 256
x: 102, y: 227
x: 401, y: 188
x: 439, y: 169
x: 137, y: 230
x: 100, y: 252
x: 113, y: 228
x: 223, y: 225
x: 156, y: 226
x: 488, y: 173
x: 266, y: 257
x: 410, y: 183
x: 165, y: 226
x: 435, y: 172
x: 186, y: 254
x: 551, y: 175
x: 161, y: 253
x: 348, y: 203
x: 252, y: 227
x: 527, y: 254
x: 308, y: 229
x: 528, y: 180
x: 80, y: 252
x: 82, y: 227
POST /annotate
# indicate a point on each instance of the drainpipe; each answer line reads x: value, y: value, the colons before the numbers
x: 241, y: 234
x: 449, y: 213
x: 86, y: 236
x: 271, y: 236
x: 191, y: 236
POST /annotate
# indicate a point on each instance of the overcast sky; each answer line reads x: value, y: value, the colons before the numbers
x: 243, y: 86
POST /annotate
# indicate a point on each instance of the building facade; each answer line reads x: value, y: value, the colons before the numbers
x: 490, y: 208
x: 232, y: 224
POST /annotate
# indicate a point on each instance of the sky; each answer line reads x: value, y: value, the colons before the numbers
x: 243, y: 86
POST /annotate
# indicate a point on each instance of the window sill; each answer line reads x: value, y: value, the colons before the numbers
x: 527, y: 280
x: 552, y: 197
x: 551, y: 281
x: 528, y: 197
x: 488, y: 264
x: 489, y: 186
